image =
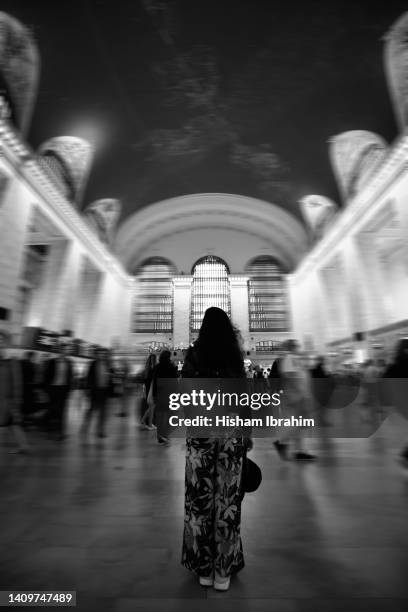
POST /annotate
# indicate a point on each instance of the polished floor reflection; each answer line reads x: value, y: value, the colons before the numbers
x: 105, y: 519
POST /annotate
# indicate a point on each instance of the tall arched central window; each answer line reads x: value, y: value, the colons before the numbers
x: 268, y: 308
x: 210, y: 288
x: 153, y: 307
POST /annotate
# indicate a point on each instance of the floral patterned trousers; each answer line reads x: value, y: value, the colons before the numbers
x: 212, y: 540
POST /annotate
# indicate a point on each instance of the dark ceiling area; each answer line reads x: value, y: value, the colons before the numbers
x: 235, y: 96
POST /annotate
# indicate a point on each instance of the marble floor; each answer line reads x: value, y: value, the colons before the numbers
x: 105, y: 519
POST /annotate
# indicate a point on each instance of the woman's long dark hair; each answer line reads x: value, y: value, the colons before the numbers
x: 164, y: 358
x: 217, y: 343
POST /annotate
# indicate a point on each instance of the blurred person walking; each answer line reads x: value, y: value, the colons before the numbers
x: 212, y: 546
x: 322, y: 389
x: 164, y: 369
x: 120, y: 385
x: 29, y: 375
x: 58, y: 380
x: 10, y: 394
x: 294, y: 381
x: 397, y: 390
x: 148, y: 404
x: 371, y: 398
x: 98, y: 387
x: 257, y: 372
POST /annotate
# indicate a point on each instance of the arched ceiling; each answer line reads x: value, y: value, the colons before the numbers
x: 234, y: 227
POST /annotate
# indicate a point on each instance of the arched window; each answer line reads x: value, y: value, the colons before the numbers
x: 267, y: 293
x: 153, y: 308
x: 210, y: 287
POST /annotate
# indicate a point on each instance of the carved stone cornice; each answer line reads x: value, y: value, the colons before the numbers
x: 352, y: 216
x: 211, y: 212
x: 23, y: 162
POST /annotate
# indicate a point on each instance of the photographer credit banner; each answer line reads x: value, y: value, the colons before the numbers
x: 208, y: 408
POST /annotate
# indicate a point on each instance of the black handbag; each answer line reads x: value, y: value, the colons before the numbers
x: 251, y: 476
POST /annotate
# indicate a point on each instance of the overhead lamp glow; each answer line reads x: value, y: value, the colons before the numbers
x: 89, y: 130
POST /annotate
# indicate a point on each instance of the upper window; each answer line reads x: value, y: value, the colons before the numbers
x: 153, y: 307
x: 210, y: 287
x: 267, y: 294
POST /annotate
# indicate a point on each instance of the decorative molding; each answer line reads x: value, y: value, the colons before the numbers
x: 371, y: 334
x: 354, y: 156
x: 389, y: 328
x: 103, y: 215
x: 393, y: 166
x: 198, y: 212
x: 22, y: 160
x: 319, y: 212
x: 75, y: 156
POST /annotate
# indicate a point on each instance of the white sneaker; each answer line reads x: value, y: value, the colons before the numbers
x: 221, y: 583
x: 206, y: 581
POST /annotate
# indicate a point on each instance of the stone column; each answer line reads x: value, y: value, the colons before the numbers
x: 102, y: 328
x: 124, y: 329
x: 54, y: 303
x: 378, y: 310
x: 88, y: 298
x: 69, y: 285
x: 396, y: 281
x: 360, y: 304
x: 15, y: 213
x: 181, y: 310
x: 42, y: 308
x: 310, y: 314
x: 239, y: 306
x: 335, y: 295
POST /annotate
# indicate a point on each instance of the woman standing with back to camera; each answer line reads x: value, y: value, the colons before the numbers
x: 212, y: 545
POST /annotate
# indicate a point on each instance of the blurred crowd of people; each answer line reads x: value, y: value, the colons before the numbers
x: 309, y: 384
x: 313, y: 381
x: 35, y: 390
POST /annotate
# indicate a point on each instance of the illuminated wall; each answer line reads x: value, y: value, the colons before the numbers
x: 78, y: 284
x: 355, y: 279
